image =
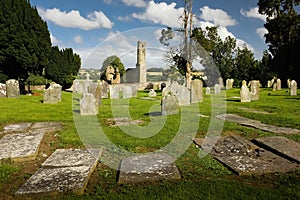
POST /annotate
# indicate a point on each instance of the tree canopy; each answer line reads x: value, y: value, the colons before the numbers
x: 115, y: 62
x: 283, y: 37
x: 24, y: 40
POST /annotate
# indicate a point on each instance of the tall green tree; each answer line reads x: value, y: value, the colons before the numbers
x: 24, y: 40
x: 63, y: 66
x: 283, y: 37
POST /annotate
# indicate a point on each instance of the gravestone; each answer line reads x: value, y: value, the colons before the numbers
x: 12, y: 88
x: 269, y: 84
x: 53, y: 94
x: 244, y: 93
x: 207, y: 91
x: 114, y: 92
x: 254, y: 90
x: 134, y: 90
x: 105, y: 89
x: 88, y: 104
x: 278, y: 84
x: 217, y: 89
x: 92, y: 88
x: 289, y: 83
x: 169, y: 105
x: 166, y: 91
x: 152, y: 93
x: 127, y: 92
x: 2, y: 90
x: 274, y: 86
x: 229, y: 84
x: 293, y: 88
x: 182, y: 93
x: 221, y: 82
x: 98, y: 93
x: 196, y: 91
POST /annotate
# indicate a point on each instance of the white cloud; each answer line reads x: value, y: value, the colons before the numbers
x: 78, y: 39
x: 124, y: 19
x: 253, y: 13
x: 135, y: 3
x: 261, y: 32
x: 217, y: 16
x: 161, y: 13
x: 73, y: 19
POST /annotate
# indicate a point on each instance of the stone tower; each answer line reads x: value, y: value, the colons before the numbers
x: 141, y: 62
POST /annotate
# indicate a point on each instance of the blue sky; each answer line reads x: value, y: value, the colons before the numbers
x: 96, y: 29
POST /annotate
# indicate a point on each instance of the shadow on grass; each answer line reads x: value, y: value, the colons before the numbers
x: 155, y: 114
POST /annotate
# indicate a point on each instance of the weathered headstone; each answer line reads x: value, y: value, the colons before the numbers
x: 134, y: 89
x: 289, y: 83
x: 217, y: 89
x: 229, y: 84
x: 127, y: 92
x: 98, y: 94
x: 274, y: 86
x: 293, y: 88
x: 152, y: 93
x: 114, y: 92
x: 2, y: 90
x: 92, y: 88
x: 244, y: 93
x: 221, y: 82
x: 169, y: 105
x: 166, y: 91
x: 53, y: 94
x: 269, y: 84
x: 105, y: 89
x: 278, y: 84
x: 254, y: 88
x: 12, y: 88
x: 196, y: 91
x: 88, y: 104
x: 207, y: 91
x: 183, y: 93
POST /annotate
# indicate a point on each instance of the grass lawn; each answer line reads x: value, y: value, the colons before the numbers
x: 202, y: 178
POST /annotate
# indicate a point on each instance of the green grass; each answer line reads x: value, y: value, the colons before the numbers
x: 202, y: 178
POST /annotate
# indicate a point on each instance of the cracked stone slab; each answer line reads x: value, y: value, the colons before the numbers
x: 21, y: 127
x: 57, y: 180
x: 257, y: 124
x: 46, y: 126
x: 147, y: 167
x: 20, y: 146
x: 66, y: 170
x: 245, y: 158
x: 72, y: 158
x: 282, y: 146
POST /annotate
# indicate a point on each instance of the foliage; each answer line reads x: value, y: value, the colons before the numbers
x: 113, y: 61
x: 37, y: 80
x: 283, y: 25
x: 63, y: 67
x: 24, y: 40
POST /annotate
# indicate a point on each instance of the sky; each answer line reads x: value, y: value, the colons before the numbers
x: 96, y: 29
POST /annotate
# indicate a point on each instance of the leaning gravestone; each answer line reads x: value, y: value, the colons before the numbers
x: 88, y: 104
x: 53, y: 94
x: 196, y: 91
x: 254, y: 88
x: 293, y: 88
x: 12, y: 88
x: 2, y: 90
x: 169, y: 105
x: 183, y: 93
x: 244, y: 93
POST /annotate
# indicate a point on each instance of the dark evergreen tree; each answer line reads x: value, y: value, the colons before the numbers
x: 63, y: 66
x: 24, y: 40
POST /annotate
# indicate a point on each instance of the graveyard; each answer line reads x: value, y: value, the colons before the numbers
x: 259, y: 135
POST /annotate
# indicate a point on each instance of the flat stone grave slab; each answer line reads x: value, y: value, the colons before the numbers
x: 46, y: 126
x: 282, y: 146
x: 122, y: 121
x: 20, y: 146
x: 245, y: 158
x: 257, y: 124
x: 147, y: 167
x: 21, y: 127
x: 66, y: 170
